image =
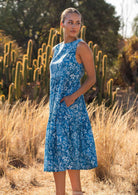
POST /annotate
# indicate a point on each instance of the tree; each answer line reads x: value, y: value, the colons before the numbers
x: 34, y: 18
x: 30, y: 19
x: 102, y: 25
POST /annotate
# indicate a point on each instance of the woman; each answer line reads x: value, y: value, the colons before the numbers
x: 69, y: 139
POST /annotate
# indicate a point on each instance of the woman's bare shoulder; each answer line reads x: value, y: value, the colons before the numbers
x: 83, y: 47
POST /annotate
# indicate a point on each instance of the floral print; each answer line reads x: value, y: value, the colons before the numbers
x: 69, y: 142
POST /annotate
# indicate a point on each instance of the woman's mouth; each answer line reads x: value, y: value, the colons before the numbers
x: 74, y: 31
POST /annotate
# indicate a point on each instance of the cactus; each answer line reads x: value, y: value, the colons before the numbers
x: 18, y: 81
x: 104, y: 65
x: 83, y: 32
x: 95, y: 48
x: 1, y: 67
x: 39, y: 61
x: 13, y: 75
x: 43, y: 47
x: 2, y: 98
x: 109, y: 91
x: 35, y: 62
x: 36, y: 74
x: 11, y: 93
x: 40, y: 51
x: 13, y: 57
x: 6, y: 48
x: 50, y: 36
x: 61, y: 34
x: 54, y: 40
x: 30, y: 74
x: 90, y: 43
x: 24, y: 72
x: 29, y: 51
x: 9, y: 51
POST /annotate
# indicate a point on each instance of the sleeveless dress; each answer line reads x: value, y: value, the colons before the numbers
x: 69, y: 142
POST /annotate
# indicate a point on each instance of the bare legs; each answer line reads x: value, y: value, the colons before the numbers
x: 75, y: 180
x: 59, y: 178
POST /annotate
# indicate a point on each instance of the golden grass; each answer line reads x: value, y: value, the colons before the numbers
x: 22, y: 137
x: 22, y: 130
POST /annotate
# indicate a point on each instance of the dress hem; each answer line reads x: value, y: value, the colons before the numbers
x: 71, y: 169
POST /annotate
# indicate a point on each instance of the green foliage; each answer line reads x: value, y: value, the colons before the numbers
x: 128, y: 62
x: 102, y: 25
x: 25, y: 20
x: 30, y: 77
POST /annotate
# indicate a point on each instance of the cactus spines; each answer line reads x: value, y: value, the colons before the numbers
x: 61, y: 34
x: 11, y: 93
x: 90, y: 43
x: 13, y: 75
x: 54, y: 40
x: 24, y: 71
x: 109, y: 90
x: 44, y: 58
x: 83, y: 32
x: 40, y: 51
x: 48, y: 51
x: 30, y: 74
x: 6, y: 48
x: 9, y: 51
x: 6, y: 56
x: 43, y: 47
x: 35, y: 62
x: 13, y: 56
x: 36, y: 75
x: 29, y: 51
x: 18, y: 80
x: 2, y: 98
x: 50, y: 36
x: 39, y: 61
x: 95, y: 48
x: 104, y: 65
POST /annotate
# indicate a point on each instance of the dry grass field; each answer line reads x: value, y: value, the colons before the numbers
x: 22, y: 139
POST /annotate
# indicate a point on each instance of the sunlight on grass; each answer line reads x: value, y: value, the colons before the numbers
x: 22, y: 138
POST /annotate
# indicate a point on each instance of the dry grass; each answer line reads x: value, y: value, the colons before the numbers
x: 22, y: 136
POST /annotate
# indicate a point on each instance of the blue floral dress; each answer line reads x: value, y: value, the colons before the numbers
x: 69, y: 142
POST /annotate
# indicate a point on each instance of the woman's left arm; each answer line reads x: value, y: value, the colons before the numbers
x: 86, y: 56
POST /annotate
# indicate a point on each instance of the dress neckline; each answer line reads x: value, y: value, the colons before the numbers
x: 69, y: 42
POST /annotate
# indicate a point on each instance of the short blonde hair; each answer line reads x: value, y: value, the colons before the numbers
x: 67, y: 11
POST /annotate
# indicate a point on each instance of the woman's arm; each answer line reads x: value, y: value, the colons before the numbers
x: 86, y: 56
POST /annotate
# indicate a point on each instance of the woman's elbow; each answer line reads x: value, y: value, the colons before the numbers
x: 93, y: 80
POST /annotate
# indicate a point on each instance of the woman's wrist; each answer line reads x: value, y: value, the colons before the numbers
x: 74, y: 97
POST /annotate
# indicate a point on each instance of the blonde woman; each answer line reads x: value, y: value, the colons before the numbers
x: 69, y: 143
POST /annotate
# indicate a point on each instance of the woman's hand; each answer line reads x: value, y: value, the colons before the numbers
x: 68, y: 100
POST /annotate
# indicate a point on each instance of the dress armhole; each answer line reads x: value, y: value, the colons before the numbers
x: 76, y: 52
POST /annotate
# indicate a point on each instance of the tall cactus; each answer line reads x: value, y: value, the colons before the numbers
x: 61, y: 34
x: 50, y: 36
x: 18, y: 81
x: 24, y: 71
x: 11, y: 93
x: 83, y: 32
x: 29, y: 51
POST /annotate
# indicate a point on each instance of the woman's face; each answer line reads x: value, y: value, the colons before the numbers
x: 72, y: 24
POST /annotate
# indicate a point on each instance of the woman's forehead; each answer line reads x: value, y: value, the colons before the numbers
x: 73, y: 16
